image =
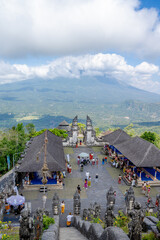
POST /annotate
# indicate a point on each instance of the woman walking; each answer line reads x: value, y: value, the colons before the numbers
x: 89, y: 181
x: 62, y: 207
x: 119, y: 179
x: 86, y: 184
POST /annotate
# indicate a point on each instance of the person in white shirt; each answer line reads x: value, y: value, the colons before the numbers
x: 69, y: 218
x: 87, y: 175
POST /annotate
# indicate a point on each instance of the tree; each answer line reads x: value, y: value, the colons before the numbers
x: 30, y: 127
x: 129, y: 130
x: 81, y: 127
x: 152, y: 137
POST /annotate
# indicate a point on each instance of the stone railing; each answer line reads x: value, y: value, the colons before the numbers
x: 94, y: 231
x: 52, y: 233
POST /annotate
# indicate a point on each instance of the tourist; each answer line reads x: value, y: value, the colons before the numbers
x: 85, y: 184
x: 79, y: 189
x: 115, y: 193
x: 87, y: 175
x: 148, y: 191
x: 133, y: 182
x: 126, y: 195
x: 80, y: 142
x: 96, y: 178
x: 78, y: 160
x: 102, y: 161
x: 97, y: 161
x: 89, y: 181
x: 143, y: 191
x: 93, y: 161
x: 64, y: 174
x: 69, y: 218
x: 70, y: 169
x: 145, y: 188
x: 119, y: 179
x: 105, y: 160
x: 62, y: 207
x: 76, y: 144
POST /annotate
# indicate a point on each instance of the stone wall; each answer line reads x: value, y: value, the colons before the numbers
x: 94, y: 231
x: 52, y: 233
x: 6, y: 188
x: 6, y: 179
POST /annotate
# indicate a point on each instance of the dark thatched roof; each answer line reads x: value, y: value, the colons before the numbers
x: 63, y: 123
x: 64, y: 126
x: 140, y: 152
x: 116, y: 137
x: 55, y: 154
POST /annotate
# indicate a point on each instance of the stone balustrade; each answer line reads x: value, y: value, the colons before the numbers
x: 94, y: 231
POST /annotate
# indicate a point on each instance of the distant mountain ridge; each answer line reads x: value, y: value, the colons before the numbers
x: 96, y: 96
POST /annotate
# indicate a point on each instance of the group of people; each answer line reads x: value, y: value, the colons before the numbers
x: 69, y: 216
x: 146, y: 189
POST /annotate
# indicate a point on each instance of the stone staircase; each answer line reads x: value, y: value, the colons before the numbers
x: 70, y: 233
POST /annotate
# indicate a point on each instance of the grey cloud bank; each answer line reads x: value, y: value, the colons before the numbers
x: 109, y: 65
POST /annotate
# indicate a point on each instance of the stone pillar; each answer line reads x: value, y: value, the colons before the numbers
x: 90, y: 138
x: 55, y: 204
x: 76, y: 203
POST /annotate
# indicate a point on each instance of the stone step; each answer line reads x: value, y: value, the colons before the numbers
x: 70, y: 233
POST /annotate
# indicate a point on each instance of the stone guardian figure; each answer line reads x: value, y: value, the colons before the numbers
x: 26, y: 230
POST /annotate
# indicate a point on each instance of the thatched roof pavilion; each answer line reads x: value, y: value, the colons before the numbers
x: 116, y: 137
x: 140, y: 152
x: 64, y: 126
x: 55, y: 154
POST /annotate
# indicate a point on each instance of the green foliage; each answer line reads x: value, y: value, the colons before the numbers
x: 158, y: 225
x: 121, y: 220
x: 55, y: 131
x: 149, y: 236
x: 47, y: 221
x: 152, y: 137
x: 150, y: 214
x: 98, y: 220
x: 98, y: 131
x: 129, y: 130
x: 11, y: 141
x: 30, y: 127
x: 81, y: 127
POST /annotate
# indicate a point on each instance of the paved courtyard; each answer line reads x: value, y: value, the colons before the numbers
x: 108, y: 177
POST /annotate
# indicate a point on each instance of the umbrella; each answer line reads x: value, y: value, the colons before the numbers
x: 15, y: 200
x: 83, y: 154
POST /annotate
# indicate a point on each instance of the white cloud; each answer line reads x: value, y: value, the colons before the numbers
x: 143, y: 76
x: 58, y: 27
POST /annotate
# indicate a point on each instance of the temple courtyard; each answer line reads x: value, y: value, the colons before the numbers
x: 108, y: 176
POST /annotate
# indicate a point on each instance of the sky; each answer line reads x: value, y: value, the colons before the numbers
x: 58, y: 38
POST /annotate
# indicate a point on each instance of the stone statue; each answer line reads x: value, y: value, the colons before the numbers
x: 135, y: 226
x: 109, y: 216
x: 55, y: 204
x: 91, y: 212
x: 76, y: 203
x: 38, y: 223
x: 110, y: 197
x: 26, y: 230
x: 85, y: 214
x: 130, y: 199
x: 97, y: 210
